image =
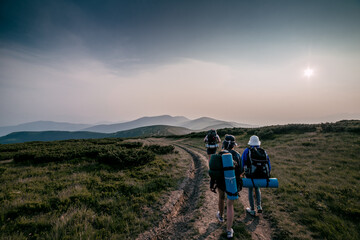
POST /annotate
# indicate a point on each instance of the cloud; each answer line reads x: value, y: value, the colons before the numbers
x: 77, y: 87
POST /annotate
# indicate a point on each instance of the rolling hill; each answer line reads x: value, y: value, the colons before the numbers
x: 156, y: 130
x: 203, y: 123
x: 146, y: 126
x: 20, y: 137
x: 141, y: 122
x: 43, y: 126
x: 206, y: 123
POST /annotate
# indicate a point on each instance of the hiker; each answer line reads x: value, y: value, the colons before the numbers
x: 211, y: 139
x: 219, y: 183
x: 256, y: 163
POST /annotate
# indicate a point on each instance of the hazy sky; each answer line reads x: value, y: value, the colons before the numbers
x: 91, y: 61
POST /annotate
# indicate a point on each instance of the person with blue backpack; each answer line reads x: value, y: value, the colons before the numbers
x: 256, y: 164
x: 218, y: 180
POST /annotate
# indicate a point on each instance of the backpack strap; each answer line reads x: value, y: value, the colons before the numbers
x: 228, y: 168
x: 232, y: 194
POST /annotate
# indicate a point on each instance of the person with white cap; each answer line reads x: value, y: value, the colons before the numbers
x: 254, y: 143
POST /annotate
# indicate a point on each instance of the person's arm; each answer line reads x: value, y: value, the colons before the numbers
x: 206, y: 138
x: 267, y: 156
x: 244, y: 157
x: 218, y: 138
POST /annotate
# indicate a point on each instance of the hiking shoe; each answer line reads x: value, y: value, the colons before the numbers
x: 220, y: 218
x: 250, y: 211
x: 230, y: 234
x: 259, y: 209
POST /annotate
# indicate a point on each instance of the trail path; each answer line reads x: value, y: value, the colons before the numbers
x: 190, y: 211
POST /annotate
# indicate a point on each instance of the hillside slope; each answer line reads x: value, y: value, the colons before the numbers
x: 203, y: 123
x: 42, y: 126
x: 20, y: 137
x: 141, y: 122
x: 206, y: 123
x: 157, y: 130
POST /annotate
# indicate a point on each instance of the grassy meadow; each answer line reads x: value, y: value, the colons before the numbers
x: 114, y: 188
x: 319, y: 194
x: 83, y: 189
x: 318, y: 168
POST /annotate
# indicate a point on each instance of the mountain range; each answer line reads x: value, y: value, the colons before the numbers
x: 146, y: 126
x: 156, y: 130
x: 203, y: 123
x: 43, y: 126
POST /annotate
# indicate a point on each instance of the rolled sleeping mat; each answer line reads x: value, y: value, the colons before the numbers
x: 229, y: 174
x: 273, y: 183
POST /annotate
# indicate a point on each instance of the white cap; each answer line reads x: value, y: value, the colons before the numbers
x: 254, y: 141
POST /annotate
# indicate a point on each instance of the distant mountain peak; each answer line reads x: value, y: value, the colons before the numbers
x: 202, y: 123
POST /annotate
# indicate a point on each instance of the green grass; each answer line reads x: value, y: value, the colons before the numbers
x: 80, y: 195
x: 318, y: 171
x: 319, y: 184
x: 113, y: 189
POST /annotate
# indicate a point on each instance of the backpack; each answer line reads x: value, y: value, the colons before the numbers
x: 212, y: 137
x: 257, y: 164
x: 216, y: 170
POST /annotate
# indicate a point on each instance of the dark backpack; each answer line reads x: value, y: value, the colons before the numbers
x: 216, y: 170
x: 257, y: 164
x: 212, y: 137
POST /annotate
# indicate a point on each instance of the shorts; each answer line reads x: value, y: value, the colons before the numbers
x: 211, y: 151
x: 221, y: 185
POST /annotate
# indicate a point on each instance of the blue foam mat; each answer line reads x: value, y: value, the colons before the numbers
x: 260, y: 183
x: 230, y: 180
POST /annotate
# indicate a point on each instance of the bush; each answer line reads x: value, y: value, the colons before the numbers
x: 265, y: 134
x: 24, y: 156
x: 125, y: 158
x: 352, y: 126
x: 131, y: 145
x: 161, y: 150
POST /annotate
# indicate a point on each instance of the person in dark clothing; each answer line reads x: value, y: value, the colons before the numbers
x: 211, y: 142
x: 228, y: 146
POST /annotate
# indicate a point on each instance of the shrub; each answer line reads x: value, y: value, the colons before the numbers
x: 265, y: 134
x: 131, y: 145
x: 161, y: 150
x: 24, y: 156
x: 352, y: 126
x: 125, y: 158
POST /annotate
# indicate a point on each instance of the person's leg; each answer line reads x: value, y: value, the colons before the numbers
x: 251, y: 198
x: 258, y: 199
x: 229, y: 214
x: 209, y: 152
x: 258, y: 196
x: 221, y: 202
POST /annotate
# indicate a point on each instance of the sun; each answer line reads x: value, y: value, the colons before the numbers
x: 308, y: 72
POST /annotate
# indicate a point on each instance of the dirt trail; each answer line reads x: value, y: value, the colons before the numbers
x: 258, y: 226
x: 190, y: 211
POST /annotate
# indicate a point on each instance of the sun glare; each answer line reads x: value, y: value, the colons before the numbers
x: 308, y: 72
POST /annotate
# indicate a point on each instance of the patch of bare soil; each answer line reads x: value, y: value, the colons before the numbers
x: 190, y: 211
x: 6, y: 161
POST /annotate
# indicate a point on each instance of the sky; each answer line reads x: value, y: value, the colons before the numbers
x: 111, y: 61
